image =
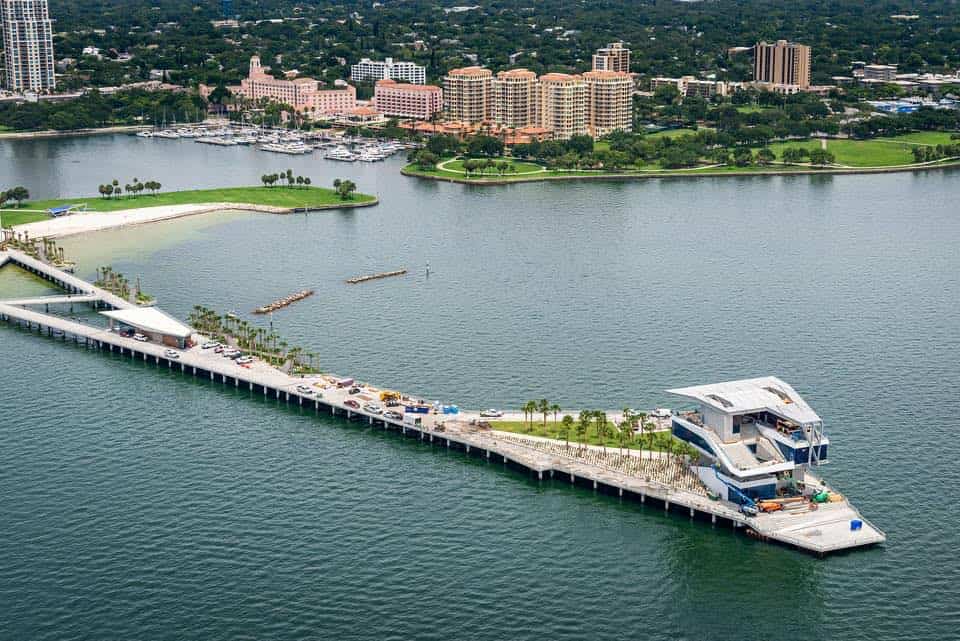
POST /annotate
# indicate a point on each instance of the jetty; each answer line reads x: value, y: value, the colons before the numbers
x: 283, y: 302
x: 655, y: 480
x: 363, y: 279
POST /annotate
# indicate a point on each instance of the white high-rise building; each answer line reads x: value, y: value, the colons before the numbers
x: 372, y: 70
x: 27, y: 45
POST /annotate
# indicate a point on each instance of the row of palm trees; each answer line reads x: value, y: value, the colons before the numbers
x: 632, y: 426
x: 262, y: 343
x: 114, y: 189
x: 543, y: 406
x: 285, y: 175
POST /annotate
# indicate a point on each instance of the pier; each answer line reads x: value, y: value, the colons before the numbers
x: 822, y: 531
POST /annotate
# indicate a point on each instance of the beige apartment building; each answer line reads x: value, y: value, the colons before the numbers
x: 466, y: 94
x: 613, y: 57
x: 782, y: 63
x: 595, y: 103
x: 563, y: 105
x: 515, y: 101
x: 609, y: 102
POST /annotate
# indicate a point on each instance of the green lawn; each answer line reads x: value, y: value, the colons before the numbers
x: 879, y: 152
x: 519, y: 167
x: 660, y: 439
x: 926, y: 138
x: 750, y: 109
x: 270, y: 196
x: 672, y: 133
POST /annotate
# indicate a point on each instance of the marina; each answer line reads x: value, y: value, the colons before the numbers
x: 820, y: 528
x: 332, y: 146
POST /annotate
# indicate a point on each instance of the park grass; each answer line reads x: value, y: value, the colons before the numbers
x: 11, y: 217
x: 926, y: 138
x: 672, y: 133
x: 288, y: 197
x: 752, y: 109
x: 660, y: 439
x: 879, y: 152
x: 519, y: 166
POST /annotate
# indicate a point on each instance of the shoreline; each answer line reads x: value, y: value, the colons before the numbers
x: 84, y: 223
x: 622, y: 176
x: 69, y: 133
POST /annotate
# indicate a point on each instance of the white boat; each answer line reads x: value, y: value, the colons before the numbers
x: 287, y: 148
x: 166, y: 133
x: 340, y: 153
x: 144, y: 134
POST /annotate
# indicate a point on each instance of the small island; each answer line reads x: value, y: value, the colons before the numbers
x: 273, y: 199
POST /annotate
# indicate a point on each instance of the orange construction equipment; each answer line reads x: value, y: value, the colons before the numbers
x: 769, y: 506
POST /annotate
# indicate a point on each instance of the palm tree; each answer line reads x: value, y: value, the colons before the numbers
x: 565, y: 426
x: 530, y: 409
x: 601, y: 421
x: 556, y: 411
x: 583, y: 427
x: 544, y: 408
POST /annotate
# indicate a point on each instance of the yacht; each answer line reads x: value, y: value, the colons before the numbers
x: 340, y: 153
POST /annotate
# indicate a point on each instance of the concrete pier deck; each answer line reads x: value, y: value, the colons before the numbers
x: 655, y: 480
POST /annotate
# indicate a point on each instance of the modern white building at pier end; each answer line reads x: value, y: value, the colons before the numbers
x: 758, y: 435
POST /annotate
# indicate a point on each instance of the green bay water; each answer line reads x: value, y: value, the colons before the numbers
x: 138, y: 503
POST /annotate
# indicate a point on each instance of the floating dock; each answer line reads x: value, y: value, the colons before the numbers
x: 820, y: 532
x: 363, y: 279
x: 283, y: 302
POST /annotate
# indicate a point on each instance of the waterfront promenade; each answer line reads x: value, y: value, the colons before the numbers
x: 823, y: 530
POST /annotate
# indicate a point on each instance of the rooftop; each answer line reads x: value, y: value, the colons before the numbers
x: 752, y: 395
x: 150, y: 319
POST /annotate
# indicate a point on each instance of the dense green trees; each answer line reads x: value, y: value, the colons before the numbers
x: 18, y: 193
x: 322, y: 39
x: 96, y: 110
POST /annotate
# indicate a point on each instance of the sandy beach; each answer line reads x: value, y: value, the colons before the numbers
x: 82, y: 223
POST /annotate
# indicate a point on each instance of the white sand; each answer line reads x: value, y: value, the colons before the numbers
x: 82, y: 223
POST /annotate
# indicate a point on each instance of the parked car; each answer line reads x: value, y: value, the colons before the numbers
x: 352, y: 403
x: 233, y: 355
x: 354, y: 390
x: 491, y: 414
x: 210, y: 345
x: 244, y: 360
x: 393, y: 403
x: 140, y: 337
x: 218, y: 349
x: 171, y: 354
x: 304, y: 389
x: 373, y: 408
x: 393, y: 416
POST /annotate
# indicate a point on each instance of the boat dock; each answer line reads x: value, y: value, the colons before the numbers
x: 821, y: 531
x: 363, y: 279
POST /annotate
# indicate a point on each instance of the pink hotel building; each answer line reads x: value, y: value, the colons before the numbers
x: 303, y: 94
x: 407, y: 101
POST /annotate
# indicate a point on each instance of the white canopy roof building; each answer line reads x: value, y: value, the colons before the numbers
x: 753, y: 395
x: 153, y: 323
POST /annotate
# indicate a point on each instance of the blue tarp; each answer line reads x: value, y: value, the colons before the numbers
x: 59, y: 211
